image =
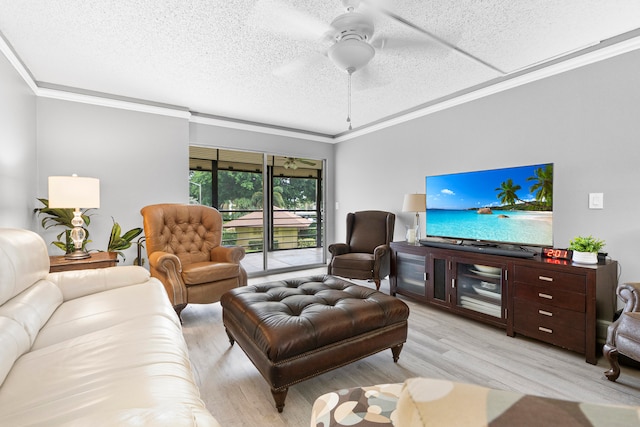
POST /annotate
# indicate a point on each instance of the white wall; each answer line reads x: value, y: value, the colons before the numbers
x: 140, y: 159
x: 17, y: 149
x: 585, y: 121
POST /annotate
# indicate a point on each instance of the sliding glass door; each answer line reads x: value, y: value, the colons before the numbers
x: 271, y: 205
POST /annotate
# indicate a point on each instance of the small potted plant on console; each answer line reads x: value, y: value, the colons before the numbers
x: 585, y: 249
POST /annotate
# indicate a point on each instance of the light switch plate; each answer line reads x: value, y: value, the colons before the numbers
x: 596, y: 200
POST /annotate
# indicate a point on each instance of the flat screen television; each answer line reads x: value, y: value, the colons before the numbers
x: 506, y: 206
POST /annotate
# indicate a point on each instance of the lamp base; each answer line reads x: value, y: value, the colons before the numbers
x: 77, y: 254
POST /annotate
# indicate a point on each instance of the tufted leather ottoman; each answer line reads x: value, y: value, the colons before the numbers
x: 293, y: 330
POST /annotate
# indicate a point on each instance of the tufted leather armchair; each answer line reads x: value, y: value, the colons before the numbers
x: 623, y: 335
x: 185, y: 253
x: 366, y: 254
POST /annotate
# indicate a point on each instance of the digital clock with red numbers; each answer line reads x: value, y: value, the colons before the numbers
x: 556, y: 253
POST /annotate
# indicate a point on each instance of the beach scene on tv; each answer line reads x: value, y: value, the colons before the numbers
x: 510, y: 205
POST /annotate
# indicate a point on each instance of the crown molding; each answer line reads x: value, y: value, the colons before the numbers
x: 17, y: 64
x: 576, y: 60
x: 259, y: 127
x: 110, y: 102
x: 524, y: 77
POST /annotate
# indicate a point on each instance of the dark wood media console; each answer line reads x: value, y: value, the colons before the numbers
x: 553, y: 301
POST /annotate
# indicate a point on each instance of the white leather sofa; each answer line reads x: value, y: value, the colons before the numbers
x: 99, y: 347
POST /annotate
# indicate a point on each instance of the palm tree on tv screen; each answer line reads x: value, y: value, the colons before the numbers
x: 543, y: 185
x: 508, y: 190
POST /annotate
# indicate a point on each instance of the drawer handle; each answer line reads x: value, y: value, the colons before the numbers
x: 545, y: 278
x: 547, y: 296
x: 547, y: 330
x: 546, y: 313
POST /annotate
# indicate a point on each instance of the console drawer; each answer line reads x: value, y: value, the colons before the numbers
x: 550, y: 330
x: 528, y: 314
x: 538, y: 276
x: 551, y: 296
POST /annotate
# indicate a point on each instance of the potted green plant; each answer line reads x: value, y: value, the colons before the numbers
x: 118, y: 242
x: 585, y: 249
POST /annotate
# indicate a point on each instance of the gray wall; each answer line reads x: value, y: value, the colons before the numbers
x: 140, y: 159
x: 585, y: 121
x: 18, y: 170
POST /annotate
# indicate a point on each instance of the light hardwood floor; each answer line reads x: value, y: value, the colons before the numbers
x: 439, y: 345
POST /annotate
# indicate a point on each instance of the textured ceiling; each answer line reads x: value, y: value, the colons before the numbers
x: 258, y: 61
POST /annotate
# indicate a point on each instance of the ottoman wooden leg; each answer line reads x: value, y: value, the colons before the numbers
x: 232, y: 340
x: 279, y: 396
x: 396, y: 352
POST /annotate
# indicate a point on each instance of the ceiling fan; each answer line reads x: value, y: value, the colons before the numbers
x: 349, y: 41
x: 293, y: 162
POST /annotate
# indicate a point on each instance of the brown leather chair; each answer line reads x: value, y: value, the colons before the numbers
x: 366, y: 254
x: 185, y: 253
x: 623, y: 335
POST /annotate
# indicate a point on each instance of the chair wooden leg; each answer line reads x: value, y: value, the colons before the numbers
x: 377, y: 282
x: 611, y: 354
x: 178, y: 308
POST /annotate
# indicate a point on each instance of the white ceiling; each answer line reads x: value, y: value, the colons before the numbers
x: 247, y: 60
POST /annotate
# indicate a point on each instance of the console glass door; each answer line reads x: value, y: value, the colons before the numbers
x: 410, y: 273
x: 479, y: 288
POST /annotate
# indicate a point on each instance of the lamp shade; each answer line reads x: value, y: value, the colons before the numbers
x: 74, y: 192
x: 414, y: 202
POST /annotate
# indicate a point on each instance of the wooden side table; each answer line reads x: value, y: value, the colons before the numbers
x: 96, y: 260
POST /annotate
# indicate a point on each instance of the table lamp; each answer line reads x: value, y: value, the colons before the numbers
x: 75, y: 192
x: 414, y: 203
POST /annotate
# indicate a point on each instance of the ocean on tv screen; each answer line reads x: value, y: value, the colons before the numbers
x: 532, y: 228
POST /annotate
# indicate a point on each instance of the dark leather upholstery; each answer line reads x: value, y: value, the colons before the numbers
x: 623, y: 335
x: 366, y: 253
x: 185, y: 253
x: 296, y: 329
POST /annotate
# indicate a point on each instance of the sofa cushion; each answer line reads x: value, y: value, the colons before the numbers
x: 98, y: 311
x: 113, y: 373
x: 78, y: 283
x: 23, y: 261
x: 23, y: 316
x: 14, y: 341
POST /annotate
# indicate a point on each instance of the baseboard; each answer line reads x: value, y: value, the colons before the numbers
x: 601, y: 330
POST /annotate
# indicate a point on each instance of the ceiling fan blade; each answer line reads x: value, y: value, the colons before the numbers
x: 382, y: 7
x: 280, y: 18
x: 383, y: 43
x: 368, y: 78
x: 301, y: 64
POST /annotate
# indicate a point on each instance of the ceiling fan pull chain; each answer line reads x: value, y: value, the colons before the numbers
x: 350, y: 71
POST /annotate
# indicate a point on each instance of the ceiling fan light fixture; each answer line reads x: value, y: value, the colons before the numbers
x: 351, y: 54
